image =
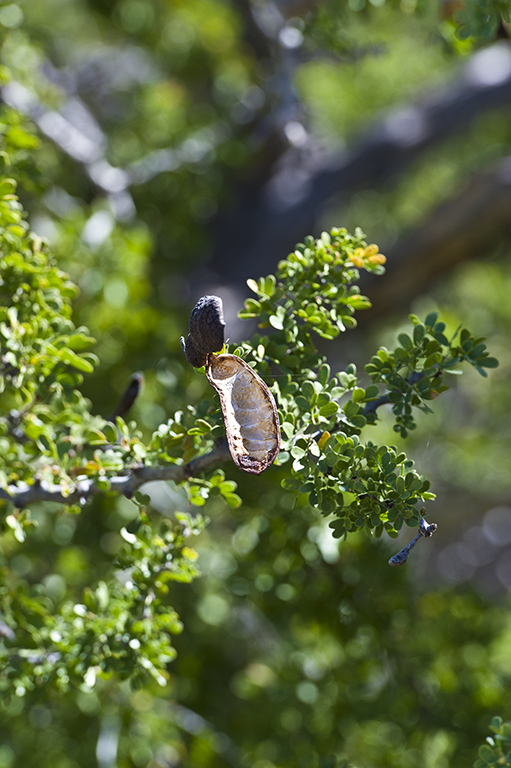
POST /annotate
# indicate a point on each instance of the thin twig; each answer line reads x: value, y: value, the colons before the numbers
x: 385, y: 399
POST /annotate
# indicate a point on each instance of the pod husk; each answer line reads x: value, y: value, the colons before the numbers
x: 249, y: 411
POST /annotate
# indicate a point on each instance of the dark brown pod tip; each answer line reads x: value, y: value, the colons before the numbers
x: 129, y: 396
x: 206, y: 331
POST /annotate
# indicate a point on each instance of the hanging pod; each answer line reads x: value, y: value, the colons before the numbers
x: 248, y: 406
x: 249, y: 411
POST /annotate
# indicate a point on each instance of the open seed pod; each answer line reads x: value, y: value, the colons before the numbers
x: 249, y: 411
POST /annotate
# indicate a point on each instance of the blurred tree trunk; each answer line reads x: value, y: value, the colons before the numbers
x: 267, y: 220
x: 464, y: 228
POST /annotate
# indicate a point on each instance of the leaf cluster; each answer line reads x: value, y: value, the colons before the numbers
x: 48, y: 435
x: 120, y: 627
x: 497, y: 751
x: 413, y: 373
x: 50, y: 439
x: 43, y: 416
x: 315, y: 288
x: 481, y: 19
x: 323, y: 416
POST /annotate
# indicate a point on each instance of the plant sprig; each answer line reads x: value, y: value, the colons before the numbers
x: 323, y: 416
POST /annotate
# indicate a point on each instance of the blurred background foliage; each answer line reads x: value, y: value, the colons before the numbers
x: 153, y: 121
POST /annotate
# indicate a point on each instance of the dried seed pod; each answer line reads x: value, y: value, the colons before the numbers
x: 426, y: 530
x: 129, y: 396
x: 249, y: 411
x: 248, y: 407
x: 206, y: 331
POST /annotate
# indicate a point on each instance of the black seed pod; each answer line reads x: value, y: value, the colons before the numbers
x: 206, y: 331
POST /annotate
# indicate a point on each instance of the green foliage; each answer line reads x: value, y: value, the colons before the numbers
x: 52, y: 441
x: 43, y: 416
x: 345, y: 28
x: 315, y: 290
x: 413, y: 372
x: 121, y: 627
x: 48, y: 435
x: 360, y: 651
x: 497, y: 750
x: 481, y: 19
x: 298, y: 654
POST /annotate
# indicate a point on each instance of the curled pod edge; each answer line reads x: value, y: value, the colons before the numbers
x: 249, y: 411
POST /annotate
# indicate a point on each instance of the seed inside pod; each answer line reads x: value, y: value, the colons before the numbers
x: 249, y: 411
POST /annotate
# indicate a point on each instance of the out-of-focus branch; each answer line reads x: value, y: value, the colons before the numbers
x: 462, y: 229
x: 282, y: 198
x: 125, y: 483
x: 76, y: 130
x: 87, y: 146
x: 271, y: 219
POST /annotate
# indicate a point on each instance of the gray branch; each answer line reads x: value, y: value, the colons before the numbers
x: 126, y: 483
